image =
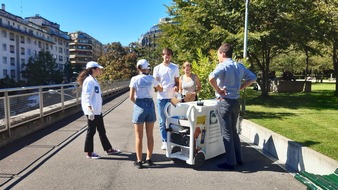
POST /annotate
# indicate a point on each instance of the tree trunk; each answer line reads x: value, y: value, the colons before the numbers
x: 335, y: 66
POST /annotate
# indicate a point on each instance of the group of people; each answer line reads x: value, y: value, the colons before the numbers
x: 228, y: 78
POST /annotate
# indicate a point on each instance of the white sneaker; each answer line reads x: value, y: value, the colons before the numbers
x: 164, y: 146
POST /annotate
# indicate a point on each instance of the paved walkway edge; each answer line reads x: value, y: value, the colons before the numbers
x: 288, y: 152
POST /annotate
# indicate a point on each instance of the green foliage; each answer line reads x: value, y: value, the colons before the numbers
x: 203, y: 66
x: 119, y: 62
x: 7, y: 82
x: 42, y: 69
x: 274, y: 26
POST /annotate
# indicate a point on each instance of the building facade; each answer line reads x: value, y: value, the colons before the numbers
x: 149, y: 39
x: 21, y: 39
x: 84, y: 48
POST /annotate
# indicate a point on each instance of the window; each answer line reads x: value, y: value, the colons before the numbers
x: 13, y: 74
x: 11, y: 48
x: 4, y: 47
x: 60, y: 58
x: 12, y: 61
x: 28, y: 51
x: 22, y: 51
x: 22, y: 39
x: 28, y: 40
x: 4, y: 34
x: 11, y: 36
x: 5, y: 72
x: 60, y: 50
x: 23, y: 62
x: 4, y: 60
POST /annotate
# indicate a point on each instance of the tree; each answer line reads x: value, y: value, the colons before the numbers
x: 7, y: 82
x: 274, y: 25
x: 68, y: 71
x: 119, y: 62
x: 328, y: 29
x: 203, y: 25
x: 41, y: 70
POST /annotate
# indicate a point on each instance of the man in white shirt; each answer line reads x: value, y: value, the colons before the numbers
x: 167, y: 74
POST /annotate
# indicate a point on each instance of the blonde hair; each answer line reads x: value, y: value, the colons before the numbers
x: 186, y: 64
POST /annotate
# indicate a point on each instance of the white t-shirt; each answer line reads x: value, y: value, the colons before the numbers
x: 91, y: 96
x: 166, y: 76
x: 143, y: 85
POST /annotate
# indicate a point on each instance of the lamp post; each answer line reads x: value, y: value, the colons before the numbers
x: 245, y: 46
x: 246, y: 28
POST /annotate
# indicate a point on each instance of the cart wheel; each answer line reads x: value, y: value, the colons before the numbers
x: 199, y: 160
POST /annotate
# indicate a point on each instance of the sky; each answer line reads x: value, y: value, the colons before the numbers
x: 107, y: 21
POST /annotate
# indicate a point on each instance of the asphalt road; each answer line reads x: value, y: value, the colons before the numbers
x: 54, y: 159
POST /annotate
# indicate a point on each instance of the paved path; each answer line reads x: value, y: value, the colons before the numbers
x: 54, y: 159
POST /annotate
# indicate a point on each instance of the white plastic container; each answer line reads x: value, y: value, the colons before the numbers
x: 193, y: 132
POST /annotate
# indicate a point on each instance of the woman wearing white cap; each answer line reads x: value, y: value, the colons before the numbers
x: 141, y: 87
x: 91, y: 102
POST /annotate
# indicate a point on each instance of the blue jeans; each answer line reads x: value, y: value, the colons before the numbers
x: 144, y: 110
x: 162, y: 119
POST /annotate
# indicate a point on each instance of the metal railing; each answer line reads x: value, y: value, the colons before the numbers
x: 24, y: 104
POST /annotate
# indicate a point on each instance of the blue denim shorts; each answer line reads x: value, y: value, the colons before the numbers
x: 144, y: 110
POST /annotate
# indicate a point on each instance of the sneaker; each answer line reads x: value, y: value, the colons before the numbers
x: 93, y: 155
x: 138, y: 164
x: 149, y: 163
x: 164, y: 146
x: 113, y: 151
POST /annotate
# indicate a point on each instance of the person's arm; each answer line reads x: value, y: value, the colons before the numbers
x: 159, y: 88
x: 213, y: 83
x: 180, y: 89
x: 175, y: 89
x: 198, y: 84
x: 132, y: 94
x: 246, y: 84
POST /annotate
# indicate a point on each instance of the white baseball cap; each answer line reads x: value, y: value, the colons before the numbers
x: 144, y: 64
x: 92, y: 64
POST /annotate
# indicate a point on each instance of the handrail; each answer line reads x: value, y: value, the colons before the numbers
x: 24, y: 104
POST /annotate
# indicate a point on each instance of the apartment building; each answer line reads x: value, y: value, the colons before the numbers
x: 84, y: 48
x: 21, y: 39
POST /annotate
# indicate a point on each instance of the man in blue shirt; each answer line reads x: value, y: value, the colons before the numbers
x: 228, y: 78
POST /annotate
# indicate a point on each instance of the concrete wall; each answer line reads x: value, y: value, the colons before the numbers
x: 293, y: 86
x: 291, y: 153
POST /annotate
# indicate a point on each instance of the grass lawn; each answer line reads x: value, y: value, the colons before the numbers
x: 310, y: 119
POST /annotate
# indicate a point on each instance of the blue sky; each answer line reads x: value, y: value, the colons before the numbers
x: 105, y: 20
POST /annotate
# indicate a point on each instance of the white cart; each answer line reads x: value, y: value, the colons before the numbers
x: 193, y: 132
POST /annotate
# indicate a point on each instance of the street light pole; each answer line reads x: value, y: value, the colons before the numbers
x: 246, y: 28
x: 245, y: 46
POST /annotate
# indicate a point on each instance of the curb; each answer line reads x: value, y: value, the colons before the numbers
x: 286, y: 151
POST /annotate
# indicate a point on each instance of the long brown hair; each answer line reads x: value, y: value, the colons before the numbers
x: 84, y: 74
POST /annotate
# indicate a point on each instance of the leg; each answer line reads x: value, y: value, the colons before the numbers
x: 162, y: 119
x: 223, y: 113
x: 89, y: 142
x: 138, y: 127
x: 237, y: 142
x: 102, y: 132
x: 150, y: 139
